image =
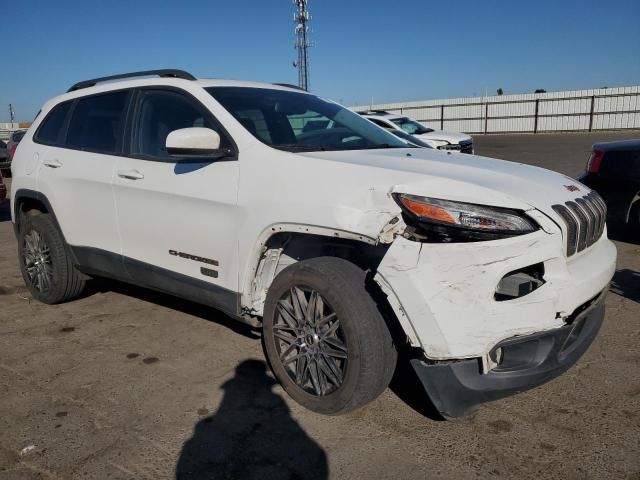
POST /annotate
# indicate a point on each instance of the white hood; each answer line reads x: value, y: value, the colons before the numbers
x: 462, y: 177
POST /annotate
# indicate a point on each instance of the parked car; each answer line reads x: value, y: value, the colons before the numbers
x: 435, y: 138
x: 613, y: 170
x: 4, y: 154
x: 3, y: 189
x: 14, y: 140
x: 346, y: 246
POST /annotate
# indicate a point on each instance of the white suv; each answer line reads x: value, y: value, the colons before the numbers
x: 289, y: 211
x: 435, y: 138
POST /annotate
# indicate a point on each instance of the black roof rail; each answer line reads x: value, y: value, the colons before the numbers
x: 289, y: 85
x: 170, y: 73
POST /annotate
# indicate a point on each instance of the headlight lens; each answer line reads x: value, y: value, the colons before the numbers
x: 465, y: 217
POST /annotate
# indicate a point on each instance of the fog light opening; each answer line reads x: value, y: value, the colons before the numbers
x: 520, y: 282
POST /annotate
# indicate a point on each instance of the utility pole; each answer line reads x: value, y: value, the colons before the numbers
x: 301, y: 19
x: 12, y: 114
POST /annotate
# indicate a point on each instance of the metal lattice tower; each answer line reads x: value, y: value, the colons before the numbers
x: 302, y: 43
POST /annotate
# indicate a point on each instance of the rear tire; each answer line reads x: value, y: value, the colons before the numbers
x: 337, y: 356
x: 45, y: 263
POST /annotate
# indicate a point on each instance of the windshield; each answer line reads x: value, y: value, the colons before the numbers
x: 411, y: 126
x: 299, y: 122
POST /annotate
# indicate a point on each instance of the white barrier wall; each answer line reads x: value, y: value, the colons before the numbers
x: 578, y: 110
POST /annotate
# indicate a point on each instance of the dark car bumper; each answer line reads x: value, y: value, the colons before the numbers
x: 456, y: 388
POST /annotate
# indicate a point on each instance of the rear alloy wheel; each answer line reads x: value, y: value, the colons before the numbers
x: 37, y: 261
x: 45, y: 263
x: 325, y: 339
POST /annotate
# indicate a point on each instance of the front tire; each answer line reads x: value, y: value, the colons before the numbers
x: 45, y: 263
x: 324, y: 337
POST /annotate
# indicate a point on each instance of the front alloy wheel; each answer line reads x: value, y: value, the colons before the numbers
x: 309, y: 341
x: 324, y: 336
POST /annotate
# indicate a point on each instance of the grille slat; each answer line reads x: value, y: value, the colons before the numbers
x: 585, y: 220
x: 592, y: 220
x: 572, y: 228
x: 582, y: 224
x: 599, y: 215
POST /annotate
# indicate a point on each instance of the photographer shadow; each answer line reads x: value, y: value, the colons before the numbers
x: 251, y: 436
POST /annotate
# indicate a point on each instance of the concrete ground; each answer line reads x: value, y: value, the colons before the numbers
x: 130, y: 384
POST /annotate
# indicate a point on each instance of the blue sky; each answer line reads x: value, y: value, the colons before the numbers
x: 390, y: 51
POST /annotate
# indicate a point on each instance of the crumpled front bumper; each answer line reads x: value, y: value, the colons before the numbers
x: 455, y: 388
x: 444, y: 293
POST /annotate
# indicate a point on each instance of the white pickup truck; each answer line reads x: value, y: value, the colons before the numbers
x: 347, y: 247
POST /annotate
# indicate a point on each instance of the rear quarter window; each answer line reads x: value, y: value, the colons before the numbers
x: 51, y: 130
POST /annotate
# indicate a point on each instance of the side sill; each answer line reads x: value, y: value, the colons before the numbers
x: 93, y: 261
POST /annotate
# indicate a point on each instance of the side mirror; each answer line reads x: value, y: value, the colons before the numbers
x: 195, y: 142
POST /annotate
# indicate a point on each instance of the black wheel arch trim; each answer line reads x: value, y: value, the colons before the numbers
x: 27, y: 194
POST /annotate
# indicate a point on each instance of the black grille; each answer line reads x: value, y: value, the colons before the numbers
x: 585, y: 220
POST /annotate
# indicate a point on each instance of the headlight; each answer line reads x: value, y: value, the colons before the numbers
x: 466, y: 220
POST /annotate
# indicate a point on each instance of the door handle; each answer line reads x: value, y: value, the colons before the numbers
x: 52, y: 163
x: 130, y: 174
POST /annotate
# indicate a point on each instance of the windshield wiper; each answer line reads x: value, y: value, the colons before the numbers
x: 379, y: 145
x: 299, y: 147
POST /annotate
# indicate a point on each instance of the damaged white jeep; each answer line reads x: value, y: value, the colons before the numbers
x: 287, y: 210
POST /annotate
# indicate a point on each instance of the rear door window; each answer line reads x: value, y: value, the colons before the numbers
x: 97, y: 122
x: 51, y: 130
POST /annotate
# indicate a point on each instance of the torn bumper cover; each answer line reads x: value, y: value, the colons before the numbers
x: 455, y: 388
x: 445, y: 293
